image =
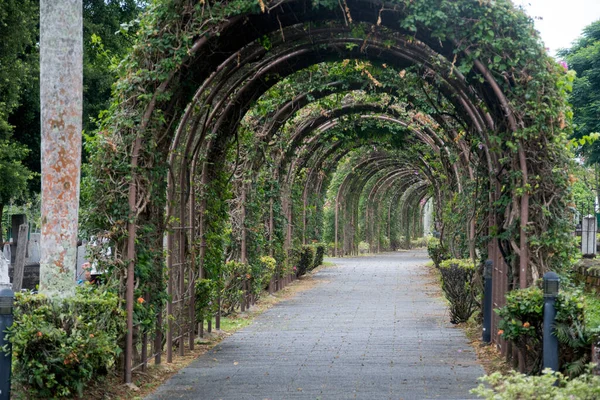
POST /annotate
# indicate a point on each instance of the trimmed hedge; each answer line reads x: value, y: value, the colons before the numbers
x: 457, y: 284
x: 437, y: 251
x: 306, y: 260
x: 319, y: 254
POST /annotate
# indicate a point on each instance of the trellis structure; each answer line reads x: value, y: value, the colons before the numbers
x: 221, y: 104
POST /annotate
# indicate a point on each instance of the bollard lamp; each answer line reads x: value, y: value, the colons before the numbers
x: 550, y: 356
x: 487, y: 269
x: 6, y: 320
x: 487, y: 301
x: 551, y: 284
x: 6, y: 301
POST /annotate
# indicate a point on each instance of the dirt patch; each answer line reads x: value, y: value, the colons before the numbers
x: 487, y: 354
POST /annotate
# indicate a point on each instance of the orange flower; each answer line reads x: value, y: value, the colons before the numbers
x: 247, y: 276
x: 141, y: 300
x: 526, y: 325
x: 39, y: 334
x: 500, y: 332
x: 91, y: 335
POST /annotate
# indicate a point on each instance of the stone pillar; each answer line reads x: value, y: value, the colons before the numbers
x: 61, y: 97
x: 16, y: 221
x: 588, y: 235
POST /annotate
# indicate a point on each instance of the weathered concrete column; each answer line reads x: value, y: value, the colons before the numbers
x: 61, y: 96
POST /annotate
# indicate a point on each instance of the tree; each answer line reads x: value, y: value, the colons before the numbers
x: 584, y: 58
x: 13, y: 174
x: 103, y: 43
x: 18, y: 21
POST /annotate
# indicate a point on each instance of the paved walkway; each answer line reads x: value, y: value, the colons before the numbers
x: 375, y: 328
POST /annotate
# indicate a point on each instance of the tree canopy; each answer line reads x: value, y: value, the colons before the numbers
x: 584, y: 58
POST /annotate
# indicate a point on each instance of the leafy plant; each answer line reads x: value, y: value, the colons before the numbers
x: 235, y: 275
x: 549, y: 385
x: 363, y: 247
x: 437, y: 251
x: 319, y: 254
x: 521, y: 322
x: 457, y: 284
x: 58, y: 347
x: 206, y: 294
x: 268, y: 268
x: 306, y: 257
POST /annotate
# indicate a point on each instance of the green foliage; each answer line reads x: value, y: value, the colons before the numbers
x: 521, y: 322
x: 549, y: 385
x: 583, y: 57
x: 592, y: 315
x: 437, y: 251
x: 106, y: 40
x: 319, y: 254
x: 457, y: 284
x: 261, y: 273
x: 13, y: 174
x: 582, y: 188
x: 268, y: 266
x: 59, y: 347
x: 303, y: 260
x: 235, y: 274
x: 363, y: 247
x: 18, y: 30
x: 205, y: 301
x: 419, y: 243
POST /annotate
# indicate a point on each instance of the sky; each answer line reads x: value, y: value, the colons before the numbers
x: 561, y: 21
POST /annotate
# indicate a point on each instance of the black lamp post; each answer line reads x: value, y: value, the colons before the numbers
x: 550, y: 349
x: 487, y: 302
x: 6, y: 320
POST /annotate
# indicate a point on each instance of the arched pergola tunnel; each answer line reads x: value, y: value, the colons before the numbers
x: 234, y: 122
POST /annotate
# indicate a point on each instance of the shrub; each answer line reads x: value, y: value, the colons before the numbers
x: 547, y: 386
x: 437, y: 251
x: 521, y: 322
x: 419, y: 243
x: 306, y: 260
x: 235, y: 273
x: 331, y: 249
x: 268, y: 266
x: 363, y: 247
x: 384, y: 242
x: 58, y: 347
x: 402, y: 244
x: 457, y: 284
x: 319, y: 254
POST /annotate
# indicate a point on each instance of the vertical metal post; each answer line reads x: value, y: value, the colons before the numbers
x: 218, y: 316
x: 487, y: 302
x: 550, y: 346
x: 335, y: 235
x: 243, y: 251
x: 6, y: 320
x: 61, y: 97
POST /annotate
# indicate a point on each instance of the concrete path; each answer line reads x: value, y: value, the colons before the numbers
x: 374, y: 328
